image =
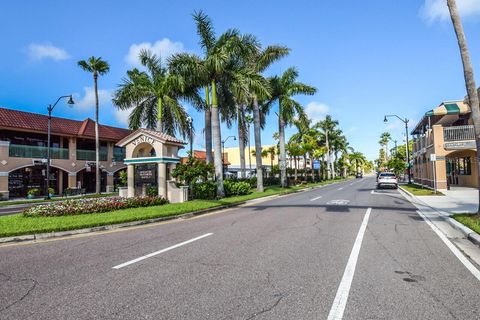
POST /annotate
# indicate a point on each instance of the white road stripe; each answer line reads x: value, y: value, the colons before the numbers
x: 340, y: 302
x: 315, y: 198
x: 160, y: 251
x: 452, y: 247
x: 340, y: 188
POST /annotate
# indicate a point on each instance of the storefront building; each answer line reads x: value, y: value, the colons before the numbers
x: 23, y: 153
x: 444, y: 150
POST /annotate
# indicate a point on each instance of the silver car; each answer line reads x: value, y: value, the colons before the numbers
x: 387, y: 179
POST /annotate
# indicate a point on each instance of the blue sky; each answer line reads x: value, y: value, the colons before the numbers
x: 366, y: 58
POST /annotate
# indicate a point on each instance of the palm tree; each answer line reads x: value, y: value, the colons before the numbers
x: 295, y: 151
x: 384, y: 138
x: 272, y: 151
x: 96, y: 66
x: 153, y: 97
x: 259, y: 61
x: 358, y: 159
x: 469, y: 78
x: 284, y: 88
x: 328, y: 126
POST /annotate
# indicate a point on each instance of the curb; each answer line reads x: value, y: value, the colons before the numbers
x: 466, y: 231
x: 187, y: 215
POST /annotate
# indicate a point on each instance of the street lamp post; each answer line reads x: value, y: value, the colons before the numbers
x: 223, y: 148
x: 407, y: 152
x: 50, y: 109
x: 190, y: 125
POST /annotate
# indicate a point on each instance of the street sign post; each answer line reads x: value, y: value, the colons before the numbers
x: 433, y: 159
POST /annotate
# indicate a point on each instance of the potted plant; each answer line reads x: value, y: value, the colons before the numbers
x: 51, y: 192
x: 123, y: 179
x: 32, y: 193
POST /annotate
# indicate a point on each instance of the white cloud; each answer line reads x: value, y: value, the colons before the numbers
x: 162, y: 48
x: 88, y: 100
x: 316, y: 111
x: 437, y: 9
x: 38, y: 51
x: 121, y: 116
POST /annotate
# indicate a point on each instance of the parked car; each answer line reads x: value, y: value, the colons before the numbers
x: 387, y: 179
x: 359, y: 175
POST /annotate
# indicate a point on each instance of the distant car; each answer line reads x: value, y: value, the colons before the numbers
x: 359, y: 175
x: 387, y: 179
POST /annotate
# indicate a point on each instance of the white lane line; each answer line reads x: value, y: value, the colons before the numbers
x: 160, y: 251
x: 340, y: 302
x: 315, y: 198
x: 452, y: 247
x: 340, y: 188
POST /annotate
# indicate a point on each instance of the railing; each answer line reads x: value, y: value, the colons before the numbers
x: 459, y: 133
x: 89, y: 155
x: 25, y: 151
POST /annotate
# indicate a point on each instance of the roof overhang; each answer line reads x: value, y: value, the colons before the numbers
x: 137, y: 134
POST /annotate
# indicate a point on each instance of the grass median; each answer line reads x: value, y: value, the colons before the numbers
x: 470, y: 220
x: 17, y: 224
x: 417, y: 190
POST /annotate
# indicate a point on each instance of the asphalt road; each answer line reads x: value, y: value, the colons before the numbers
x: 287, y: 258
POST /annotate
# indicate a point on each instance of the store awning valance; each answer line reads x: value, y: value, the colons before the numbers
x: 447, y: 108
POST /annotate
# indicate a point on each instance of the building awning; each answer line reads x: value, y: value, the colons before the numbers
x: 448, y: 108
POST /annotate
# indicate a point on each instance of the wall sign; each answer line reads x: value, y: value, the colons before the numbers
x: 459, y: 145
x: 143, y: 139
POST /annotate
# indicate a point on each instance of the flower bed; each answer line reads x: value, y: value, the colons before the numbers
x: 83, y: 206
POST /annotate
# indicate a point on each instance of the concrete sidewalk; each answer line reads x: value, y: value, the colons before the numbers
x: 456, y: 200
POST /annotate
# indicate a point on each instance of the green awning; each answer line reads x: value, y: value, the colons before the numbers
x: 448, y: 108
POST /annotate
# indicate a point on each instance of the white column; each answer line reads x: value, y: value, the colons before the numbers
x: 131, y: 180
x: 162, y: 179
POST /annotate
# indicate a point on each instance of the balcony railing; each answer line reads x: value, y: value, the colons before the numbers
x: 459, y: 133
x: 25, y: 151
x: 89, y: 155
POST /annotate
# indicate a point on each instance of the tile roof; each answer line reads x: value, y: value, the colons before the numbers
x: 15, y: 119
x: 162, y: 136
x: 202, y: 155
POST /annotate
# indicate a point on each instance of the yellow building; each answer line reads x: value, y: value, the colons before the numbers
x: 233, y: 156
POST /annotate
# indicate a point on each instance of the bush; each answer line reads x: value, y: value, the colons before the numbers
x: 33, y: 192
x: 84, y: 206
x: 236, y: 188
x: 204, y: 190
x: 123, y: 178
x: 51, y: 191
x: 192, y: 171
x: 152, y: 191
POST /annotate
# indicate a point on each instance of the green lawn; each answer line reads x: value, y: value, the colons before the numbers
x: 420, y: 191
x: 39, y: 201
x: 17, y: 224
x: 470, y: 220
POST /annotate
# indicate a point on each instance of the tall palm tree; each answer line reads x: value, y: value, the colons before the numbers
x: 469, y: 78
x: 215, y: 71
x: 272, y: 152
x: 259, y: 61
x: 328, y: 126
x: 96, y: 66
x: 153, y: 96
x: 384, y: 138
x: 284, y: 88
x: 358, y: 159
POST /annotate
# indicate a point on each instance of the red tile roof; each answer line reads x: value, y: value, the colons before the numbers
x: 202, y: 155
x: 34, y: 122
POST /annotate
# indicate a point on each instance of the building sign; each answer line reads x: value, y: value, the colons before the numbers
x: 459, y: 145
x: 143, y: 139
x: 316, y: 164
x: 145, y: 173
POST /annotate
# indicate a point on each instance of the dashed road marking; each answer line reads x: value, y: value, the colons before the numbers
x: 160, y: 251
x: 315, y: 198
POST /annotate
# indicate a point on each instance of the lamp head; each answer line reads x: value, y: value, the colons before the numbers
x: 234, y: 138
x: 189, y: 119
x: 70, y: 100
x: 385, y: 119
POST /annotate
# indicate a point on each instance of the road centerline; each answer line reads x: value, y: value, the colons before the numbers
x: 340, y: 301
x: 122, y: 265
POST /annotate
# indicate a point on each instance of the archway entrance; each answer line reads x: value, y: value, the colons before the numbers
x: 20, y: 181
x: 86, y: 179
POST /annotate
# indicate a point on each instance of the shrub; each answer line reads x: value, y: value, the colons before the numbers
x: 51, y: 191
x: 123, y: 178
x: 98, y: 205
x: 204, y: 190
x: 236, y: 188
x: 192, y: 171
x: 33, y: 192
x: 152, y: 191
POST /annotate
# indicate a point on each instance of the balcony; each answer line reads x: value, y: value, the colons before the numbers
x: 25, y: 151
x: 89, y: 155
x: 459, y: 133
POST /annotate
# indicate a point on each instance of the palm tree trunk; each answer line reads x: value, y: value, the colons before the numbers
x: 258, y: 144
x: 159, y: 114
x: 241, y: 139
x: 469, y: 80
x: 217, y: 143
x: 281, y: 134
x: 208, y: 127
x: 296, y: 169
x: 97, y: 139
x: 305, y: 167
